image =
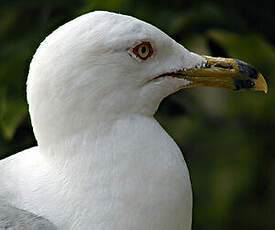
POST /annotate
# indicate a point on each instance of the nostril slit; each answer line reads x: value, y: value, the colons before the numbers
x: 223, y: 66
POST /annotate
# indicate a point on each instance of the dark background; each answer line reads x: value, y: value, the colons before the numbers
x: 228, y: 138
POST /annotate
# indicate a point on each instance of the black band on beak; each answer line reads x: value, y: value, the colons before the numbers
x: 247, y: 69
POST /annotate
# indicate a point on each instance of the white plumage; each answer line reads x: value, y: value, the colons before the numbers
x: 102, y: 162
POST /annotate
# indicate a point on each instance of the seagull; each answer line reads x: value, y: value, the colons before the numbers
x: 102, y: 161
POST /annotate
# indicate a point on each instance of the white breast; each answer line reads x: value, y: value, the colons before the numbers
x: 133, y: 177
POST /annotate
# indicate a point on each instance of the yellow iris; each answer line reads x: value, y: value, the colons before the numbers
x: 143, y: 50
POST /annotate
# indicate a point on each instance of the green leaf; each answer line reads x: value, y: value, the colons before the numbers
x: 12, y: 113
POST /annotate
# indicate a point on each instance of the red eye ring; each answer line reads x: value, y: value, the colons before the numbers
x: 143, y: 50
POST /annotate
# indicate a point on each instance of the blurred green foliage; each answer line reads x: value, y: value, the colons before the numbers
x: 228, y: 138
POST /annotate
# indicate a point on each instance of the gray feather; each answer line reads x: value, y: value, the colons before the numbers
x: 12, y: 218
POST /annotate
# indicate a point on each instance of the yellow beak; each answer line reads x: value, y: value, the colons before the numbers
x: 225, y: 73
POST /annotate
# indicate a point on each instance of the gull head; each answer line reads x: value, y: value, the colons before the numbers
x: 102, y: 66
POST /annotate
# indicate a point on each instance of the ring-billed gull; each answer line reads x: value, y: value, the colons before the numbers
x: 102, y: 160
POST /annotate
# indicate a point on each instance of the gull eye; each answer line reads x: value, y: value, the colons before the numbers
x: 144, y: 50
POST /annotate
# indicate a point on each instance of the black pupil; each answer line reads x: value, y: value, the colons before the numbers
x: 143, y: 49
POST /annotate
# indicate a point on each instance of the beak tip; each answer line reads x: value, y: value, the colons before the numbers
x: 262, y: 83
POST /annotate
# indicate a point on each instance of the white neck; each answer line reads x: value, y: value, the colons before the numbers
x: 132, y: 175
